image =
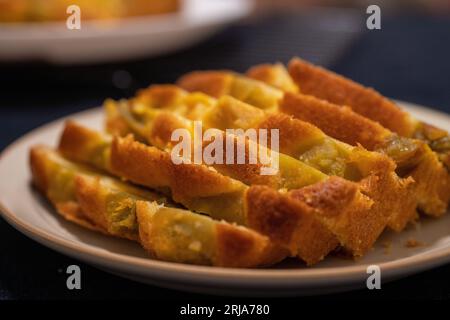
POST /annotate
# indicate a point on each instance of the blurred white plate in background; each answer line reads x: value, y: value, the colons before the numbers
x: 103, y: 41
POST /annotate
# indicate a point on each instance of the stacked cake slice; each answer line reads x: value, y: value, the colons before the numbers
x: 337, y: 177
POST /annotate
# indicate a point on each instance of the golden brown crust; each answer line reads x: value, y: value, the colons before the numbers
x: 288, y: 221
x: 213, y: 83
x: 275, y: 75
x: 94, y: 204
x: 231, y: 113
x: 246, y: 172
x: 335, y: 193
x: 83, y: 145
x: 446, y: 161
x: 392, y: 196
x: 357, y: 226
x: 294, y: 135
x: 75, y: 138
x: 433, y: 184
x: 38, y: 168
x: 239, y: 247
x: 154, y: 168
x: 72, y: 212
x: 115, y: 124
x: 334, y: 88
x: 145, y: 227
x: 144, y: 165
x: 338, y: 122
x: 191, y: 180
x: 161, y: 95
x: 162, y: 127
x: 90, y: 204
x: 263, y: 72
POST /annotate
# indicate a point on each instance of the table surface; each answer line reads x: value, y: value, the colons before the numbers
x: 408, y: 59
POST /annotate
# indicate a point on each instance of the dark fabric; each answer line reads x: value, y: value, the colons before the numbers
x: 408, y: 59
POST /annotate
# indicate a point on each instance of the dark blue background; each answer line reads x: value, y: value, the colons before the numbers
x: 408, y: 59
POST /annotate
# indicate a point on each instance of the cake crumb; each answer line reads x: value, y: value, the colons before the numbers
x: 413, y: 243
x: 387, y: 245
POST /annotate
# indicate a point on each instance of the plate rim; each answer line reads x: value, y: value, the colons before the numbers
x: 83, y: 251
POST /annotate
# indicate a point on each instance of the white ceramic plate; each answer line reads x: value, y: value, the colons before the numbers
x: 24, y: 209
x: 100, y: 41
